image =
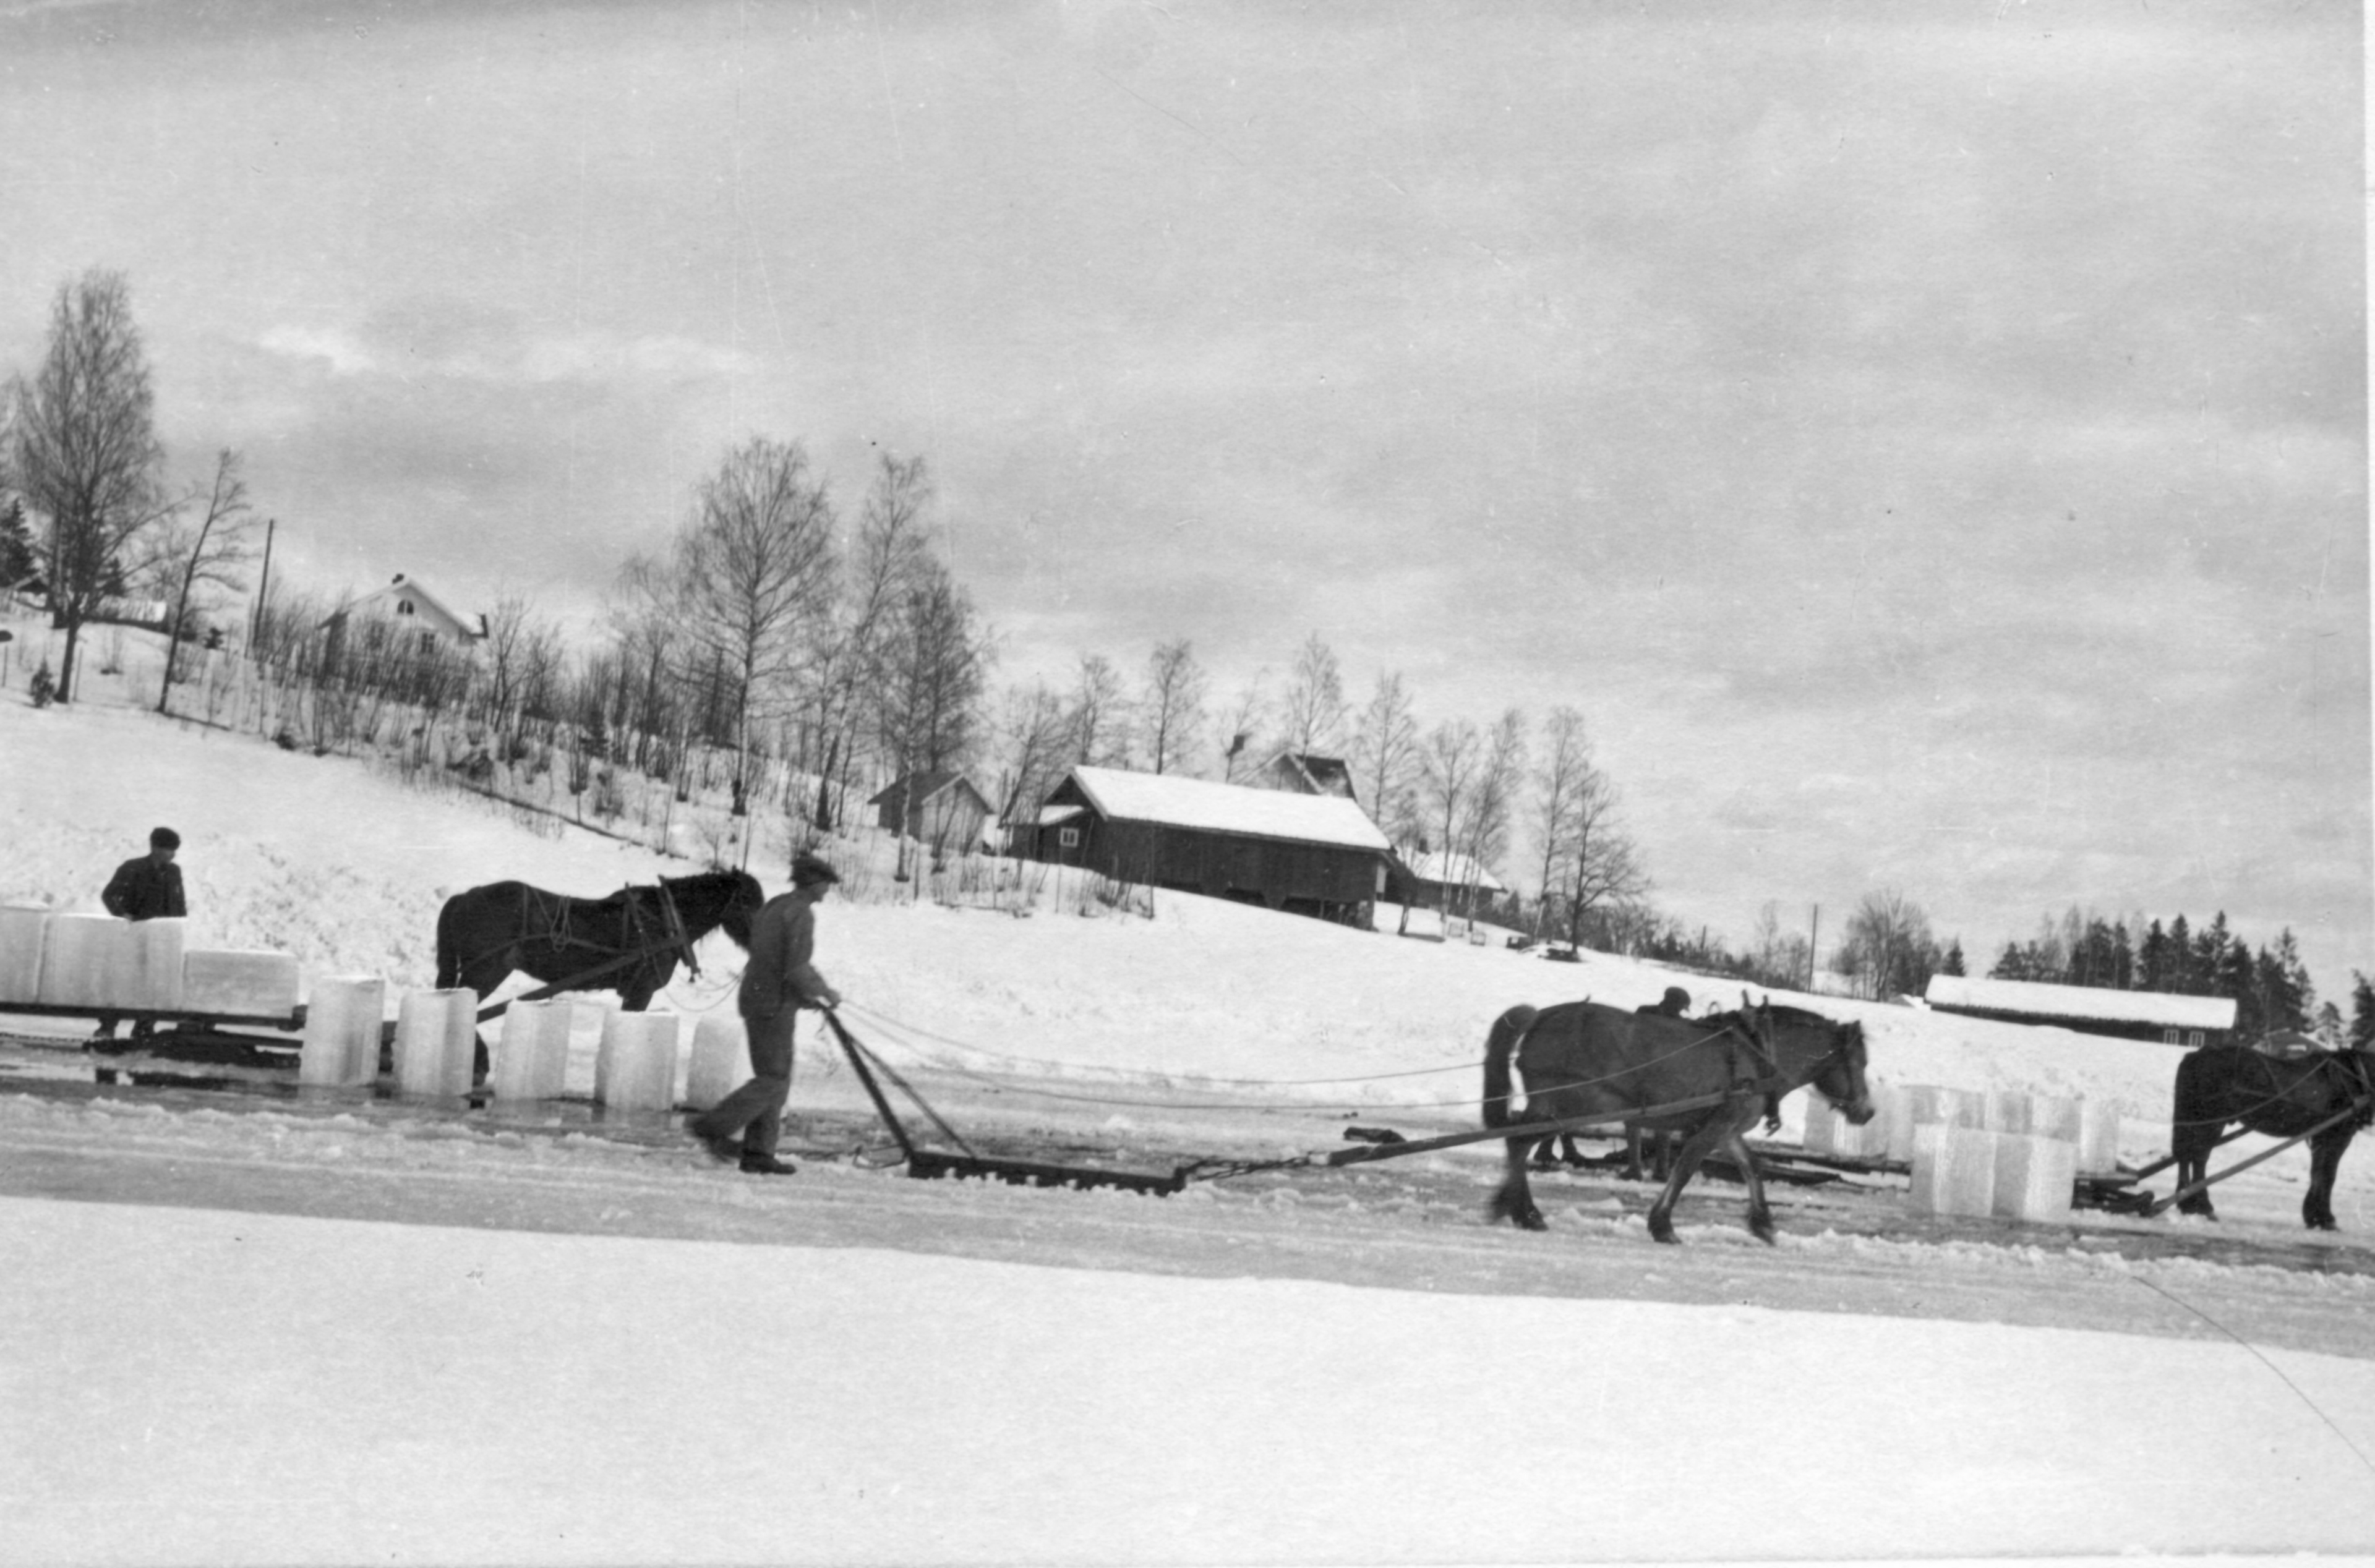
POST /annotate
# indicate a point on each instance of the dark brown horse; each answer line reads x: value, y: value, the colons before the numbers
x: 1580, y: 1059
x: 484, y: 934
x: 2277, y: 1096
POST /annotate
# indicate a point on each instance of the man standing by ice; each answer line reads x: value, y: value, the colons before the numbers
x: 780, y: 979
x: 148, y: 886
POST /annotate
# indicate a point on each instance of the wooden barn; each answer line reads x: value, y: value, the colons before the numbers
x: 1316, y: 855
x: 2182, y: 1021
x: 939, y: 808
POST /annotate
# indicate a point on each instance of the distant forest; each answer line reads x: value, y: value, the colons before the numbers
x: 2270, y: 985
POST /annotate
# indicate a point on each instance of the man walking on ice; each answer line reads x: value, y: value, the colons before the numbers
x: 779, y: 980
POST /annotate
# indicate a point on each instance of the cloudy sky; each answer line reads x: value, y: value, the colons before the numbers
x: 1928, y: 442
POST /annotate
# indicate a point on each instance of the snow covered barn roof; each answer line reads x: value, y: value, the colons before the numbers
x: 1228, y: 808
x: 2160, y: 1009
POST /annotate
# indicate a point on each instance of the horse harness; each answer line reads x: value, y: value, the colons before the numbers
x: 549, y: 917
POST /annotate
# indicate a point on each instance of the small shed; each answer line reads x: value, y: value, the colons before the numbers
x: 2183, y: 1022
x: 1306, y: 854
x: 938, y: 807
x: 1454, y: 883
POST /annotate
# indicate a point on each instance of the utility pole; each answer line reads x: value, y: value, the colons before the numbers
x: 263, y: 587
x: 1813, y: 930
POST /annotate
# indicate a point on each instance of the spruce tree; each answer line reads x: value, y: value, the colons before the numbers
x: 2179, y: 977
x: 16, y: 559
x: 2011, y: 965
x: 1953, y: 963
x: 2362, y: 1012
x: 2152, y: 960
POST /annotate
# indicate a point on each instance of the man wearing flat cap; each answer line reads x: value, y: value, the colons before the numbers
x: 148, y: 886
x: 780, y: 979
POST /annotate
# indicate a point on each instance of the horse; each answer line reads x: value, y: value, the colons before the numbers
x: 2279, y: 1097
x: 486, y: 933
x: 1585, y: 1059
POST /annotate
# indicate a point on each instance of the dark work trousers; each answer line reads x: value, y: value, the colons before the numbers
x: 756, y: 1110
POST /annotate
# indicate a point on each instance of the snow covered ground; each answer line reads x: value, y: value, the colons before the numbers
x: 293, y: 1333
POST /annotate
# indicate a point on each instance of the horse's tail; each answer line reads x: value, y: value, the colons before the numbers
x: 1507, y: 1032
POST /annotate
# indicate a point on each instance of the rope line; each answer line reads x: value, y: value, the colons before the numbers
x: 1041, y: 1061
x: 1301, y: 1105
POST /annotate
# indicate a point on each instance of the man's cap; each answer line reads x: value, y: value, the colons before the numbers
x: 810, y: 869
x: 164, y: 838
x: 1677, y: 997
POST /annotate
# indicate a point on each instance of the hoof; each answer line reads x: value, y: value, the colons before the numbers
x: 1662, y: 1230
x: 1531, y: 1220
x: 2325, y: 1223
x: 1762, y: 1231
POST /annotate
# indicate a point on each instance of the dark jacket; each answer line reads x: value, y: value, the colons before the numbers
x: 783, y: 940
x: 142, y: 890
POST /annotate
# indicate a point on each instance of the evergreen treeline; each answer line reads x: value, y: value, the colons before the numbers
x: 2269, y: 985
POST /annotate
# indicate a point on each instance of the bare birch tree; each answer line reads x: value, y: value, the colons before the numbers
x: 84, y: 453
x: 1031, y: 735
x: 1314, y: 708
x: 750, y: 571
x: 1100, y: 714
x: 1385, y: 751
x: 1241, y: 722
x: 1170, y: 704
x: 206, y: 556
x: 846, y: 659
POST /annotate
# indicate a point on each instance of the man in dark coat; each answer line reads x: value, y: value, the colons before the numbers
x: 780, y: 979
x: 146, y: 887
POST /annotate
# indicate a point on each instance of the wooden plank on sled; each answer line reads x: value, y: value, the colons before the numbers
x: 931, y: 1163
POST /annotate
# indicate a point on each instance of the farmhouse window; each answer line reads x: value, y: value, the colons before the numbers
x: 1069, y: 837
x: 2169, y: 1037
x: 2195, y: 1039
x: 404, y: 607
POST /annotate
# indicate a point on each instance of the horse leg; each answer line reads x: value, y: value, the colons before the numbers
x: 2193, y: 1151
x: 2324, y: 1163
x: 1540, y: 1159
x: 1633, y: 1136
x: 1760, y: 1216
x: 1569, y: 1152
x: 1514, y: 1200
x: 1686, y: 1164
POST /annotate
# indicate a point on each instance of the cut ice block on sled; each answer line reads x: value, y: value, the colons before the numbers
x: 1896, y: 1121
x: 721, y: 1060
x: 23, y: 929
x: 2034, y: 1176
x: 1954, y: 1171
x: 2010, y: 1111
x: 98, y: 961
x: 342, y: 1030
x: 248, y: 984
x: 532, y: 1057
x: 2054, y: 1115
x: 436, y: 1038
x: 1829, y: 1132
x: 636, y: 1068
x: 2098, y: 1135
